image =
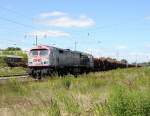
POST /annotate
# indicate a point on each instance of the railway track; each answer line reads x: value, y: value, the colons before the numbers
x: 12, y: 77
x: 20, y: 78
x: 15, y: 75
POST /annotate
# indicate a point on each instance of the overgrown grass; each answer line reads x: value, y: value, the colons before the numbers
x: 127, y: 102
x: 8, y: 71
x: 2, y: 62
x: 121, y: 92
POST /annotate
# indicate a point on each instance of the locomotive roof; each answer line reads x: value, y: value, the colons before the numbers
x: 52, y: 47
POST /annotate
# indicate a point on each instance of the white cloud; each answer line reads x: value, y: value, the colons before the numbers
x: 147, y: 17
x: 52, y: 14
x: 121, y: 47
x: 49, y: 33
x: 67, y: 21
x: 128, y: 55
x: 147, y: 46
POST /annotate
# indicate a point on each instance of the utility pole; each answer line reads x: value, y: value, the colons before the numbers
x: 117, y: 55
x: 99, y: 48
x: 36, y: 40
x: 136, y: 60
x: 147, y: 58
x: 35, y: 37
x: 75, y: 45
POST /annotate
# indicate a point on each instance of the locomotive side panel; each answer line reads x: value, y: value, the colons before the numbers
x: 53, y: 57
x: 91, y: 61
x: 76, y: 59
x: 86, y: 60
x: 68, y: 58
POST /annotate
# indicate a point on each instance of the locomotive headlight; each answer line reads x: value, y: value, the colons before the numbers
x: 30, y: 62
x: 45, y: 62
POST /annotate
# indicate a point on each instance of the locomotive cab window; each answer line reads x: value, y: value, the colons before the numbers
x: 34, y: 52
x: 43, y: 52
x: 61, y: 51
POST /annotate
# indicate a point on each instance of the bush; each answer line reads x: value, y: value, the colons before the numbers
x: 67, y: 83
x: 129, y: 103
x: 2, y: 62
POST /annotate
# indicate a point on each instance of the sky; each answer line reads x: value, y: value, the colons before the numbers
x: 105, y: 28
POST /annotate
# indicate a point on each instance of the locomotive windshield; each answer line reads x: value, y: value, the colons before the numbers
x: 34, y: 52
x: 41, y: 52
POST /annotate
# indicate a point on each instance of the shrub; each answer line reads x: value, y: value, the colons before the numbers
x: 67, y: 83
x: 2, y: 62
x: 129, y: 103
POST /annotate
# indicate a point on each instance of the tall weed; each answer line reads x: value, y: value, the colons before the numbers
x: 124, y: 102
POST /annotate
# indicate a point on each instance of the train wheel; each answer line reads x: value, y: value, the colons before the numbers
x: 39, y: 76
x: 34, y: 76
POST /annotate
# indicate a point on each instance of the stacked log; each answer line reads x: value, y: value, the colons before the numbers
x: 104, y: 64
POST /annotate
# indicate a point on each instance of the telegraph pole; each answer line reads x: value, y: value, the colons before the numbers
x: 36, y: 40
x: 34, y: 37
x: 75, y: 45
x: 136, y: 60
x: 117, y: 54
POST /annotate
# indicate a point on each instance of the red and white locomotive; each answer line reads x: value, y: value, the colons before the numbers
x: 47, y: 60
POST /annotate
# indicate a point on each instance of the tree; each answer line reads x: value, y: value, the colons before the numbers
x: 13, y: 49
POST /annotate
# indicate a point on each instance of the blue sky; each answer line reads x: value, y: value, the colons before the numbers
x: 110, y: 28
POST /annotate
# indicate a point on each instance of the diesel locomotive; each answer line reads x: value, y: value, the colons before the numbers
x: 48, y: 60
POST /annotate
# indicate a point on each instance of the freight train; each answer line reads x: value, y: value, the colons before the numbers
x: 105, y: 64
x: 48, y: 60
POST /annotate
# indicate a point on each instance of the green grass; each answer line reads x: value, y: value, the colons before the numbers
x: 121, y: 92
x: 8, y: 71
